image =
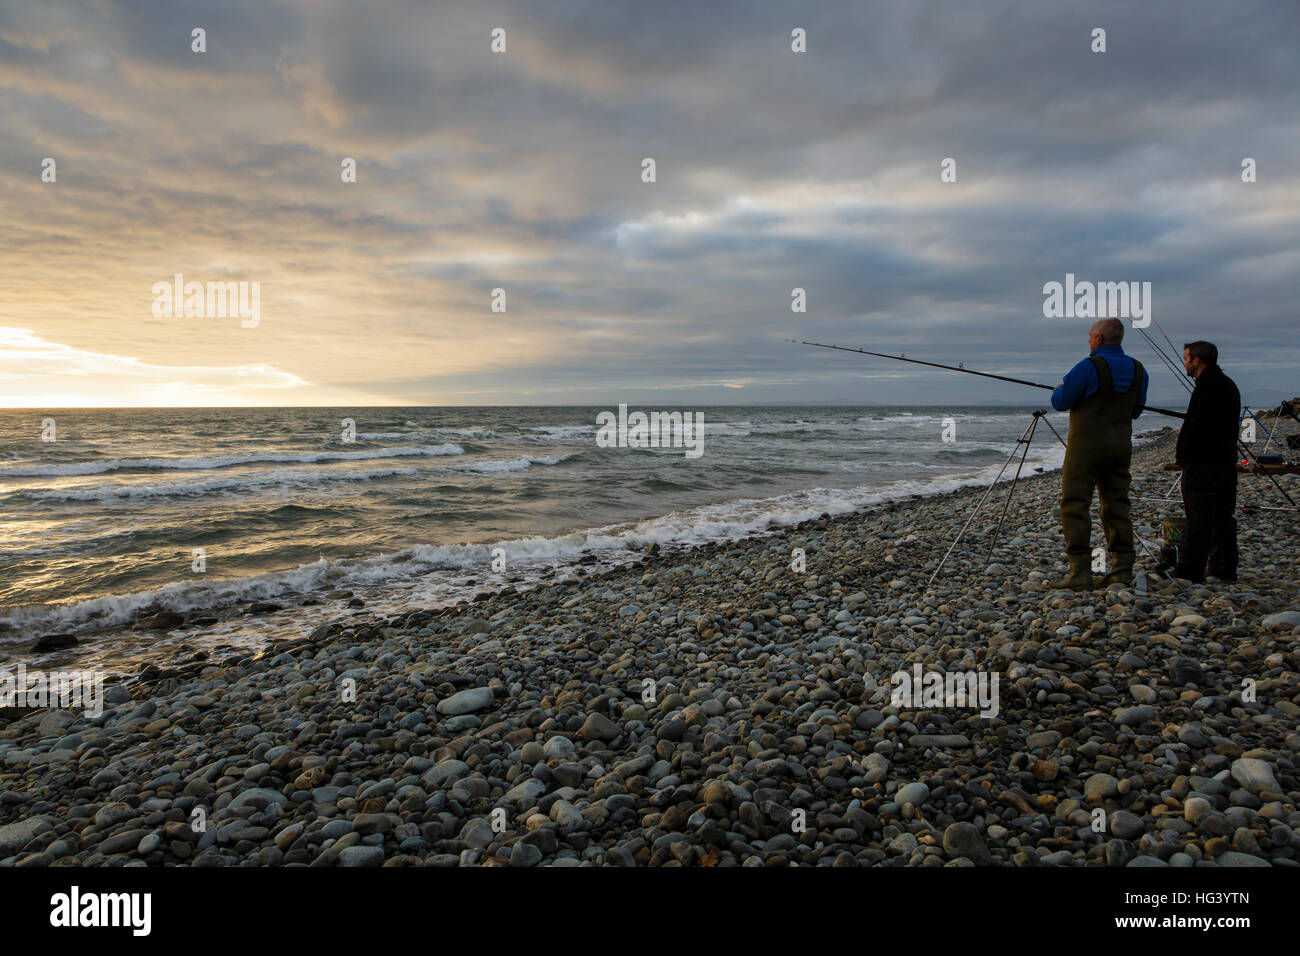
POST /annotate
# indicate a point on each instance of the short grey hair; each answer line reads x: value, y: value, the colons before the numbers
x: 1110, y: 330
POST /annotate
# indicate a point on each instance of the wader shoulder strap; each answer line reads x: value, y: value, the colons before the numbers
x: 1103, y: 373
x: 1104, y: 376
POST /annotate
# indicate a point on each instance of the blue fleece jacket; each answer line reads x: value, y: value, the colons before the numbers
x: 1082, y: 381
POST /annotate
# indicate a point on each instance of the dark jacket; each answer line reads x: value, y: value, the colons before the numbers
x: 1209, y: 435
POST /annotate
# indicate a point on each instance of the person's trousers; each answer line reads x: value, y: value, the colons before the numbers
x: 1107, y: 472
x: 1210, y: 541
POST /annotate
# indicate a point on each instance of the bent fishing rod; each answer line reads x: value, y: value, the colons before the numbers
x: 969, y: 371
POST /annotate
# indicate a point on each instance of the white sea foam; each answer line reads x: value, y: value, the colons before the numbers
x: 264, y: 480
x: 431, y: 434
x: 501, y: 465
x: 424, y: 568
x: 74, y: 468
x: 478, y: 434
x: 559, y: 432
x: 260, y: 480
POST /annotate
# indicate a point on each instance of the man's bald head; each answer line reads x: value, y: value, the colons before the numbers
x: 1110, y: 331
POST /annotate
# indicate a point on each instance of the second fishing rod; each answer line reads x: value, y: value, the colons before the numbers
x: 968, y: 371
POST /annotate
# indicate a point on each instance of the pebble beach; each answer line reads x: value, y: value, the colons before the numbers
x: 714, y: 706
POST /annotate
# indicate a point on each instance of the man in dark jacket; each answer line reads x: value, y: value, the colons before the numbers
x: 1207, y: 453
x: 1103, y: 394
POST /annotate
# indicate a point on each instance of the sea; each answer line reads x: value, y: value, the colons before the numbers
x: 110, y: 514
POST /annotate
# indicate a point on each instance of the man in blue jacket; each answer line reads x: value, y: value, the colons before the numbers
x: 1103, y: 394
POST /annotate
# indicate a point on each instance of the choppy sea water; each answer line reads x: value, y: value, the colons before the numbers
x: 107, y: 521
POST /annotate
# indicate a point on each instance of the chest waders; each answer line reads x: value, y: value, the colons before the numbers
x: 1097, y: 456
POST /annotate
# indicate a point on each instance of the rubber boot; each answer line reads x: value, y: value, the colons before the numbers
x: 1121, y: 569
x: 1080, y: 576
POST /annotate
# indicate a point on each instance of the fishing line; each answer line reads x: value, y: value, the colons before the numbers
x: 1168, y: 362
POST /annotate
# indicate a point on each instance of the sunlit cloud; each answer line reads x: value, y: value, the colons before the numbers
x: 36, y: 373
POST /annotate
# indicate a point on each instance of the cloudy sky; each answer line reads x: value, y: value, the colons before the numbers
x: 523, y: 171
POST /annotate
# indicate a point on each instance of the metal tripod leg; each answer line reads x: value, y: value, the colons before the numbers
x: 1251, y: 456
x: 961, y: 534
x: 1053, y: 428
x: 1028, y: 440
x: 1155, y: 561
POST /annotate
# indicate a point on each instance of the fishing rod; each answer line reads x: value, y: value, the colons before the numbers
x: 969, y: 371
x: 1172, y: 350
x: 1167, y: 361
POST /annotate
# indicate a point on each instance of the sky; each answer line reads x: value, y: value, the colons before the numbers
x: 523, y: 171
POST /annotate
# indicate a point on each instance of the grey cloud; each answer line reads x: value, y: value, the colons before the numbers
x: 522, y: 170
